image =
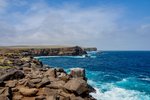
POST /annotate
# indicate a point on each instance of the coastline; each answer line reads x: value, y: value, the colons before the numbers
x: 18, y: 69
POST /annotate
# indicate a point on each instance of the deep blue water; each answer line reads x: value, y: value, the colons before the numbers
x: 116, y: 75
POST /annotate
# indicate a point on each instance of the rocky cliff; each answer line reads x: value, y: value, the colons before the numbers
x: 90, y: 49
x: 23, y: 77
x: 61, y: 51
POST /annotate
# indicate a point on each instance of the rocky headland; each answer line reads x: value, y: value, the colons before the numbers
x: 22, y: 77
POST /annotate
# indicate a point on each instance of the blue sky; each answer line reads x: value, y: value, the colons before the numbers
x: 106, y: 24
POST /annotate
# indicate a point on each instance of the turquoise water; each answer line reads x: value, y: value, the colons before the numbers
x: 116, y: 75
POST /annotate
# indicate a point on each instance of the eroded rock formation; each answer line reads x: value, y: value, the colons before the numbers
x: 43, y: 84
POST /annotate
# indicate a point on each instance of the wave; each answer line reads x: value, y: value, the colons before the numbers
x: 83, y: 56
x: 60, y: 57
x: 116, y: 93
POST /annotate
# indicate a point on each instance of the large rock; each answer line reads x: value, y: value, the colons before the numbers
x: 28, y: 92
x: 56, y: 85
x: 77, y: 72
x: 51, y: 72
x: 35, y: 81
x: 76, y: 85
x: 11, y: 83
x: 5, y: 93
x: 63, y: 76
x: 15, y: 74
x: 45, y: 81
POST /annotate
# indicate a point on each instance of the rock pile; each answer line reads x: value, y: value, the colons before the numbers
x: 35, y: 83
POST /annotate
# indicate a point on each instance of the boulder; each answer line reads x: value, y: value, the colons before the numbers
x: 59, y: 70
x: 56, y: 85
x: 77, y: 98
x: 35, y: 81
x: 30, y: 85
x: 2, y: 97
x: 40, y: 97
x: 45, y: 81
x: 28, y: 92
x: 26, y: 65
x: 5, y: 93
x: 11, y: 83
x: 76, y: 85
x: 77, y: 72
x: 15, y: 74
x: 63, y: 76
x: 51, y: 72
x: 17, y: 97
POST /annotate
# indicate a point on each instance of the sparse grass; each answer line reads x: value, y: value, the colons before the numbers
x: 6, y: 67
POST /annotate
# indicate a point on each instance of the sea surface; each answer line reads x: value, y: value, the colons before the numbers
x: 116, y: 75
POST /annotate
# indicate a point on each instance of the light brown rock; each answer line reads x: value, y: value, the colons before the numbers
x: 77, y: 85
x: 56, y: 85
x: 11, y: 83
x: 35, y: 81
x: 28, y: 92
x: 51, y: 72
x: 17, y: 97
x: 45, y: 81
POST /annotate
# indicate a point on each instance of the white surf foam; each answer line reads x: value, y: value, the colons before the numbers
x: 60, y: 57
x: 116, y: 93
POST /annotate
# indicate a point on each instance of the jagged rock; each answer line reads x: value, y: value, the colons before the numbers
x: 59, y: 70
x: 77, y: 72
x: 56, y: 85
x: 2, y: 83
x: 5, y: 93
x: 64, y: 77
x: 14, y: 89
x: 40, y: 98
x: 2, y: 97
x: 15, y: 74
x: 30, y: 85
x: 22, y: 81
x: 77, y: 85
x: 26, y: 65
x: 11, y: 83
x: 35, y: 81
x: 54, y: 97
x: 28, y: 92
x: 17, y: 97
x: 26, y: 69
x: 45, y: 81
x: 51, y: 72
x: 77, y: 98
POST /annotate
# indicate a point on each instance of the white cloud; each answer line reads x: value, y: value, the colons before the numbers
x: 67, y: 25
x: 44, y: 24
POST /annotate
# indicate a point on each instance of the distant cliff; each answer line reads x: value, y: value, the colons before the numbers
x: 47, y: 51
x: 90, y: 49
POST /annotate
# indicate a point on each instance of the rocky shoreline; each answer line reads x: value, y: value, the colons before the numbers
x: 23, y: 77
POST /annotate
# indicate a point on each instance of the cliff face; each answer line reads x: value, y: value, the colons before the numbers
x: 69, y: 51
x: 90, y: 49
x: 66, y: 51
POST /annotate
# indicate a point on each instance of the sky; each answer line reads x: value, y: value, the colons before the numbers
x: 105, y: 24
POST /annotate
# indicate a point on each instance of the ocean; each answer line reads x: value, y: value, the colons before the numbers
x: 116, y: 75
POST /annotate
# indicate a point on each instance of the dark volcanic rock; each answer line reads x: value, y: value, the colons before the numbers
x: 15, y: 74
x: 45, y: 81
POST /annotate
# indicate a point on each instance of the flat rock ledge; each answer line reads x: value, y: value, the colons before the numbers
x: 39, y: 83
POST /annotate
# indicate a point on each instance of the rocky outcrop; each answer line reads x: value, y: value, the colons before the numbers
x: 44, y: 84
x: 90, y: 49
x: 62, y: 51
x: 23, y: 77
